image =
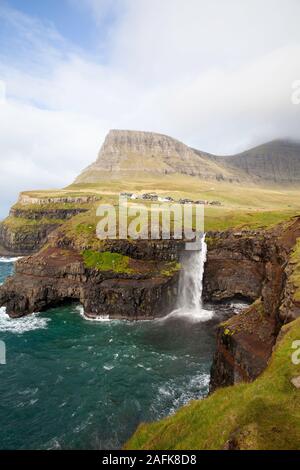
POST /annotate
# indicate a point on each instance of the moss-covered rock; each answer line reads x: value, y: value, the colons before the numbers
x: 106, y: 261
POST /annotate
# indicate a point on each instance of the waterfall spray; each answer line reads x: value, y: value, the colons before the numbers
x: 189, y: 304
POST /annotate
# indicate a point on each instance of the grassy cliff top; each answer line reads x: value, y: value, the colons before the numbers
x: 231, y: 195
x: 264, y: 414
x: 23, y: 225
x: 118, y: 263
x: 83, y: 227
x: 106, y: 261
x: 56, y: 193
x: 51, y: 207
x: 243, y: 206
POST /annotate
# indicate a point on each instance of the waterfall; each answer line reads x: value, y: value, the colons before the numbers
x: 189, y: 303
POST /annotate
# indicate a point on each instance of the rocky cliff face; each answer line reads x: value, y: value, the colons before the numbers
x: 23, y: 242
x: 255, y: 266
x: 31, y: 220
x: 162, y: 250
x: 54, y: 276
x: 59, y: 273
x: 235, y: 265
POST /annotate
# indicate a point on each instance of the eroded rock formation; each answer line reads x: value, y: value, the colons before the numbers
x: 256, y: 265
x: 32, y: 219
x: 55, y: 275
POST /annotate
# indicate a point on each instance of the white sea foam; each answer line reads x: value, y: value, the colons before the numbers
x: 143, y: 367
x: 23, y: 324
x: 98, y: 318
x: 6, y: 259
x: 179, y: 395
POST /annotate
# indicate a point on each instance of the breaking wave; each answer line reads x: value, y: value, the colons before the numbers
x: 23, y: 324
x: 173, y: 395
x: 5, y: 259
x: 100, y: 318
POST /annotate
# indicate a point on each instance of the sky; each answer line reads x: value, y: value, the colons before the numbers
x: 216, y: 74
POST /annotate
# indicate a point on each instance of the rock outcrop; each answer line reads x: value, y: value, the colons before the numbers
x: 46, y: 213
x: 235, y: 265
x: 26, y: 241
x: 245, y: 342
x: 55, y: 276
x: 32, y: 219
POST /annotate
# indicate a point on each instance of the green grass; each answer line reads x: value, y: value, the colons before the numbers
x: 232, y: 196
x: 243, y: 206
x: 82, y: 228
x: 19, y: 224
x: 106, y: 261
x: 219, y: 219
x: 170, y: 268
x: 264, y: 414
x: 56, y: 193
x: 52, y: 206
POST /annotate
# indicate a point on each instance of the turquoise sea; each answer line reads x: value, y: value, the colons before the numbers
x: 71, y: 383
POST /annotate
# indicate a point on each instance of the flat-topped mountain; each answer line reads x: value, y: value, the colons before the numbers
x: 128, y: 153
x: 135, y: 153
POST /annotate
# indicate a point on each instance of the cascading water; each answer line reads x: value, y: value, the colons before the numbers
x: 189, y: 304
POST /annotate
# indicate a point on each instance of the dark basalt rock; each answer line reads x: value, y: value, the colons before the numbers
x: 244, y: 346
x: 251, y: 265
x: 162, y: 250
x: 235, y: 265
x: 32, y: 238
x: 63, y: 214
x: 24, y: 243
x: 55, y: 276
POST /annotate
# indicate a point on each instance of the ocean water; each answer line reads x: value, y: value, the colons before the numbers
x: 70, y: 383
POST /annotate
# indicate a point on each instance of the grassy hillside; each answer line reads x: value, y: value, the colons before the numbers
x: 247, y: 207
x: 242, y: 206
x: 231, y: 195
x: 262, y: 415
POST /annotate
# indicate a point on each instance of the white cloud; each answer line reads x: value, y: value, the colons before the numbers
x: 216, y: 75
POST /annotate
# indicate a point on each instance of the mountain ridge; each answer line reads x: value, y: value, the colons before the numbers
x: 275, y: 161
x: 129, y: 153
